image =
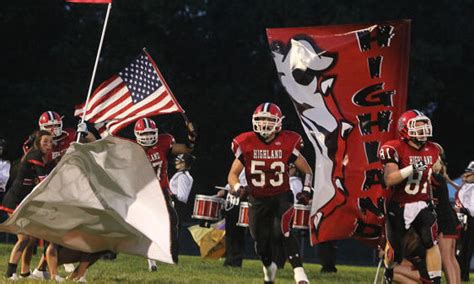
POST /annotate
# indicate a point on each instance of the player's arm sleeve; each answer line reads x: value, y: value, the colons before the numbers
x: 392, y: 173
x: 237, y: 150
x: 388, y: 154
x: 295, y: 153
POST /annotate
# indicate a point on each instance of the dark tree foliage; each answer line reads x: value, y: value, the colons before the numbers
x: 215, y: 57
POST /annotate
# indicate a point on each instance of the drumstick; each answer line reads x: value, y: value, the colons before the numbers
x: 378, y: 269
x: 220, y: 187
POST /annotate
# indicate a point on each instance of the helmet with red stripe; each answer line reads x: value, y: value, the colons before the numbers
x: 52, y: 122
x: 267, y: 119
x: 146, y: 132
x: 414, y: 125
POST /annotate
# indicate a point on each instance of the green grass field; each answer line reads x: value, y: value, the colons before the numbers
x: 194, y: 270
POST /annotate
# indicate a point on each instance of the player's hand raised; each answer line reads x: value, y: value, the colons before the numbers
x: 192, y: 133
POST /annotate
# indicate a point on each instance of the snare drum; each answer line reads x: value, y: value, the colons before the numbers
x: 207, y: 207
x: 301, y: 216
x: 243, y: 215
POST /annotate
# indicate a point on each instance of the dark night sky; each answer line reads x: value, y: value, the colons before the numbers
x: 215, y: 58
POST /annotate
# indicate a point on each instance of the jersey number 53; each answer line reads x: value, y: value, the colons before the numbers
x: 257, y: 168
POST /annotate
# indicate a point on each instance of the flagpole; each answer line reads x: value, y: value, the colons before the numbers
x: 109, y: 7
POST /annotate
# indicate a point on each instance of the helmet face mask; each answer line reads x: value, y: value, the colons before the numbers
x: 146, y: 132
x: 420, y: 128
x: 470, y: 168
x: 267, y: 120
x: 414, y: 126
x: 52, y: 122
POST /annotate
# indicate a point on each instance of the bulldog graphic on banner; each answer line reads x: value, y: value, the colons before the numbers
x: 348, y: 85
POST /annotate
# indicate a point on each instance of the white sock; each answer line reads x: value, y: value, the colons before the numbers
x: 434, y: 274
x: 269, y: 272
x: 300, y: 275
x: 151, y: 262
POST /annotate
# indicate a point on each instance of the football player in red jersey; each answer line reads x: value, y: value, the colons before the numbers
x: 408, y: 163
x: 265, y: 153
x: 62, y: 137
x: 157, y: 148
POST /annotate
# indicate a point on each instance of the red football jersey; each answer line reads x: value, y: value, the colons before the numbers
x: 61, y: 144
x: 417, y: 187
x: 266, y: 165
x: 158, y: 156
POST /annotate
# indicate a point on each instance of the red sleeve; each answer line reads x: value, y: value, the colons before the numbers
x: 235, y: 146
x: 388, y: 154
x: 296, y: 146
x: 71, y: 135
x: 299, y: 143
x: 172, y: 141
x: 169, y: 141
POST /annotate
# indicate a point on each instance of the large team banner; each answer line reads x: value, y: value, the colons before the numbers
x: 348, y: 84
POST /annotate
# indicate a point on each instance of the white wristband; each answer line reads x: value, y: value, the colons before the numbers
x: 237, y: 186
x: 406, y: 171
x: 307, y: 189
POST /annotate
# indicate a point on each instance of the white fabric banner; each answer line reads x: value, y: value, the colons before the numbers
x: 101, y: 196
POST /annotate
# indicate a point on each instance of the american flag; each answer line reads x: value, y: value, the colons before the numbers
x: 139, y: 90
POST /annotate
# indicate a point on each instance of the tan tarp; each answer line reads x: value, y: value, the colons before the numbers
x: 211, y: 241
x: 101, y: 196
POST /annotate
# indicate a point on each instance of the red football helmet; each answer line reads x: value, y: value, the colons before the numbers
x: 146, y: 132
x: 267, y: 119
x: 414, y: 125
x: 52, y: 122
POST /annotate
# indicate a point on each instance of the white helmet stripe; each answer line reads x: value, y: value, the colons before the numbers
x: 419, y: 112
x: 265, y: 107
x: 51, y: 116
x: 147, y: 125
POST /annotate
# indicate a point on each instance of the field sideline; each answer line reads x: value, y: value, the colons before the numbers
x: 193, y: 269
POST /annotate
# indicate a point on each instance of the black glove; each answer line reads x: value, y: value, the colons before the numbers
x: 419, y: 166
x: 192, y: 133
x: 242, y: 192
x: 303, y: 197
x: 464, y: 211
x: 388, y: 276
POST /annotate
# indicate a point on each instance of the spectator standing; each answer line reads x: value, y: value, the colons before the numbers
x: 465, y: 206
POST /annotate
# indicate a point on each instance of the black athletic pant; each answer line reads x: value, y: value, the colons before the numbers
x: 466, y: 246
x: 234, y: 238
x: 327, y: 256
x: 265, y: 215
x: 174, y: 223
